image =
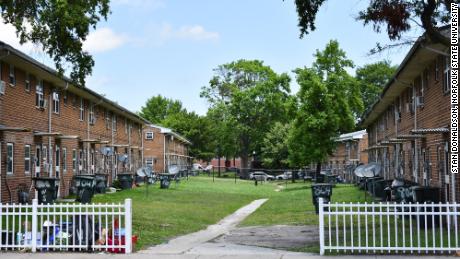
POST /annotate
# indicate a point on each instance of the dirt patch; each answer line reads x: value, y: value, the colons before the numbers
x: 278, y: 237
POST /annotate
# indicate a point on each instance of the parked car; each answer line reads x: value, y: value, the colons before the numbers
x: 259, y: 175
x: 197, y: 167
x: 285, y: 176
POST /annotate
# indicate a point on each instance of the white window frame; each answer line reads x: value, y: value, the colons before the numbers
x: 12, y: 75
x: 9, y: 159
x: 27, y: 82
x: 107, y: 119
x: 57, y: 159
x: 74, y: 160
x: 56, y: 102
x: 446, y: 76
x: 148, y: 134
x: 114, y: 122
x: 37, y: 162
x: 149, y: 161
x: 27, y: 156
x: 39, y: 95
x: 126, y: 125
x: 64, y: 159
x: 82, y: 109
x: 91, y: 117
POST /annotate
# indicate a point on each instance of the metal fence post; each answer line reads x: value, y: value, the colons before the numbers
x: 321, y: 226
x: 128, y: 227
x: 34, y: 224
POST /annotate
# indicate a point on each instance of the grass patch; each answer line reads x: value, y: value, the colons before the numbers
x: 194, y: 204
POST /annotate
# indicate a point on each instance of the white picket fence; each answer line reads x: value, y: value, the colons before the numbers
x: 388, y: 227
x: 66, y: 227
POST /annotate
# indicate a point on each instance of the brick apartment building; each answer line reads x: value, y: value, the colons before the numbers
x: 349, y: 153
x: 163, y: 148
x: 409, y: 125
x: 52, y: 128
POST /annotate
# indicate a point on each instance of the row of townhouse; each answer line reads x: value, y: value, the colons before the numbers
x: 349, y: 153
x: 163, y: 148
x: 409, y: 125
x: 51, y: 128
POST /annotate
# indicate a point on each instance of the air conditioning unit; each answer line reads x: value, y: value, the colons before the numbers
x: 43, y: 103
x: 2, y: 87
x: 55, y: 96
x: 420, y: 101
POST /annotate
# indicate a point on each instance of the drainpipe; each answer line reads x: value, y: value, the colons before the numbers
x: 141, y: 128
x: 88, y: 144
x: 50, y: 148
x: 414, y: 103
x: 164, y: 153
x: 129, y: 148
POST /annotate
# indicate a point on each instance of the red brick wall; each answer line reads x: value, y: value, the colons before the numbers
x: 17, y: 109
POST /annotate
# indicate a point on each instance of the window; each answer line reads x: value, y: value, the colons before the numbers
x: 446, y: 75
x: 27, y: 159
x: 126, y: 125
x: 56, y: 104
x: 107, y: 119
x: 149, y: 161
x: 437, y: 65
x: 64, y: 159
x: 27, y: 82
x: 149, y: 135
x: 12, y: 76
x: 9, y: 158
x: 114, y: 122
x: 74, y: 159
x: 64, y: 98
x: 39, y: 97
x: 91, y: 118
x: 82, y: 109
x: 58, y: 157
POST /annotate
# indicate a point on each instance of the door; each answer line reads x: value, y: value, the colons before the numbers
x: 37, y: 160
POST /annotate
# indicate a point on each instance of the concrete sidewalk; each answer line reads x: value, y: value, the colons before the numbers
x: 192, y: 256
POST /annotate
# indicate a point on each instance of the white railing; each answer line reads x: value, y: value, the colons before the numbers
x: 66, y: 227
x: 388, y: 227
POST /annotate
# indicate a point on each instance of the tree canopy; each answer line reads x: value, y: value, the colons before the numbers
x: 372, y: 78
x: 395, y: 16
x: 59, y: 27
x: 253, y: 97
x: 158, y: 108
x: 329, y: 102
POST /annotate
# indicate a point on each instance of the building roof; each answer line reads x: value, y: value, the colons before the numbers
x: 352, y: 135
x: 422, y: 53
x: 16, y: 57
x: 168, y: 131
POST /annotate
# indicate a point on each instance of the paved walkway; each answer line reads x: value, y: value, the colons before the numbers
x: 184, y: 244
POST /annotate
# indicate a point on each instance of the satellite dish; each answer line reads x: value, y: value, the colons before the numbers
x: 107, y: 151
x: 140, y: 172
x: 123, y: 158
x: 359, y: 171
x: 173, y: 169
x: 372, y: 169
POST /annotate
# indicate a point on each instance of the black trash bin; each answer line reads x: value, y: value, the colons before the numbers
x: 101, y: 183
x: 321, y: 190
x: 165, y: 180
x: 85, y: 186
x: 126, y: 180
x: 422, y: 194
x: 47, y: 188
x: 379, y: 189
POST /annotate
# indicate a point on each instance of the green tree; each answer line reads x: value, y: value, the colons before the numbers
x: 328, y: 104
x: 372, y: 79
x: 253, y: 97
x: 60, y: 27
x: 396, y: 16
x: 275, y: 148
x: 158, y: 108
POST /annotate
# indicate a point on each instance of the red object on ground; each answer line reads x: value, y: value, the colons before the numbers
x: 118, y: 242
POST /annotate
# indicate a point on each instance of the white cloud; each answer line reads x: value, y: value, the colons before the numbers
x: 103, y: 39
x: 194, y: 32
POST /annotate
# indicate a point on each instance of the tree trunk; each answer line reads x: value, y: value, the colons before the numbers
x: 318, y: 169
x: 245, y: 165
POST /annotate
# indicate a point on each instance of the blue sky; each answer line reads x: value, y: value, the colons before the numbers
x: 170, y: 47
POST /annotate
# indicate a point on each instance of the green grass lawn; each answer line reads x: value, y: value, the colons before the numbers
x: 194, y: 204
